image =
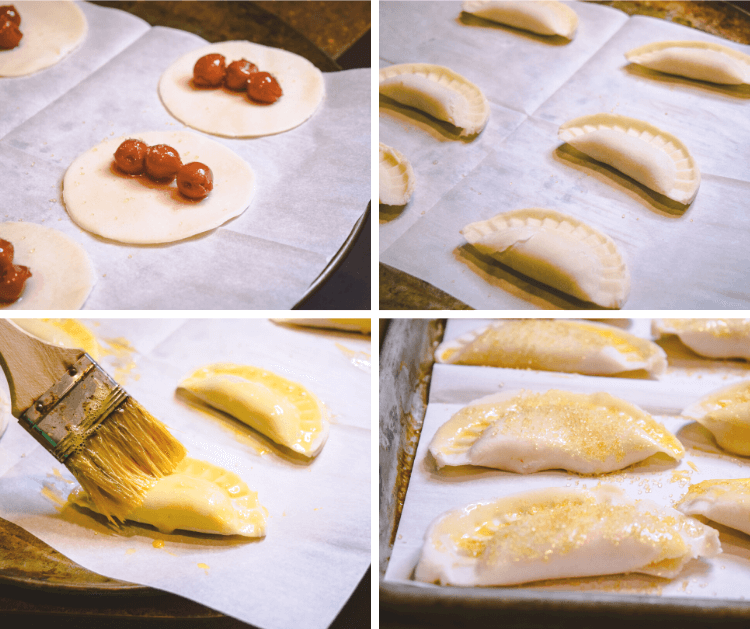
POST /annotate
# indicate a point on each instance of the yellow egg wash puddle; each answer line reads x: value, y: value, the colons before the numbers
x: 57, y: 474
x: 130, y: 551
x: 124, y: 364
x: 360, y: 359
x: 158, y: 543
x: 205, y: 567
x: 52, y: 495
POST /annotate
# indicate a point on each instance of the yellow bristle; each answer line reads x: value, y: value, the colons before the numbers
x: 123, y: 458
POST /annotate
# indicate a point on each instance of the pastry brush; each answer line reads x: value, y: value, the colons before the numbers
x: 71, y: 406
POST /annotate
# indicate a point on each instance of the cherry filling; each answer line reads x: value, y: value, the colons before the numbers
x: 12, y: 276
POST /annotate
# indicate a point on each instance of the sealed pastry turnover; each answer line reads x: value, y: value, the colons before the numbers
x: 527, y: 432
x: 439, y: 92
x: 652, y: 157
x: 560, y: 533
x: 713, y: 338
x: 704, y: 61
x: 726, y: 501
x: 569, y: 346
x: 726, y: 414
x: 545, y: 17
x: 395, y: 177
x: 558, y: 250
x: 283, y: 410
x: 200, y: 497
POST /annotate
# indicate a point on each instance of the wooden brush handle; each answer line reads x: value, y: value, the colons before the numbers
x: 31, y: 366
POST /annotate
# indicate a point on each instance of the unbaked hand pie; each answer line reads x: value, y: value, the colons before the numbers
x: 439, y: 92
x: 652, y: 157
x: 526, y: 432
x: 64, y: 333
x: 395, y: 177
x: 62, y: 274
x: 546, y: 17
x: 726, y: 414
x: 560, y: 533
x: 714, y: 338
x: 198, y: 496
x: 589, y: 348
x: 50, y: 30
x: 558, y: 250
x: 103, y: 200
x: 223, y: 112
x: 283, y: 410
x: 704, y: 61
x: 726, y: 501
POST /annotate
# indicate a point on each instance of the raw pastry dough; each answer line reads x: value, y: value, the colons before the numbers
x: 652, y: 157
x: 714, y: 338
x: 227, y: 113
x: 200, y: 497
x: 526, y: 432
x: 137, y: 210
x: 560, y: 533
x: 395, y: 177
x: 700, y: 60
x: 439, y: 92
x: 570, y: 346
x: 348, y: 325
x: 546, y: 17
x: 63, y: 332
x: 62, y: 275
x: 558, y: 250
x: 279, y: 408
x: 726, y: 414
x: 50, y: 31
x: 726, y: 501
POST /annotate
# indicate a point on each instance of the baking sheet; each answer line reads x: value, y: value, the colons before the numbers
x: 312, y: 187
x: 318, y: 539
x: 532, y: 168
x: 432, y: 492
x: 109, y: 33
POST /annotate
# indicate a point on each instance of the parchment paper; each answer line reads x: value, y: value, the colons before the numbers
x: 317, y: 546
x: 109, y: 32
x: 432, y: 492
x: 678, y: 257
x: 312, y: 186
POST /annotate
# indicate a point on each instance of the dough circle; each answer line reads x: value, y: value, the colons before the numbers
x: 50, y: 31
x: 137, y: 210
x: 226, y: 113
x: 62, y: 274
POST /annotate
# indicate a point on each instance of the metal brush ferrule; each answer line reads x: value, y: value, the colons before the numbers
x: 68, y: 413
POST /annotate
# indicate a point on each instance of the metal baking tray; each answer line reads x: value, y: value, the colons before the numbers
x: 406, y: 361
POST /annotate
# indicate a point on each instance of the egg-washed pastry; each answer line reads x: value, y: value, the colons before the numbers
x: 726, y: 501
x: 200, y: 497
x: 283, y: 410
x: 526, y: 432
x: 347, y: 325
x: 64, y: 333
x: 225, y: 113
x: 105, y: 201
x: 62, y: 275
x: 726, y: 414
x: 652, y: 157
x: 704, y: 61
x: 560, y: 533
x: 589, y: 348
x: 51, y: 30
x: 545, y: 17
x: 395, y: 177
x: 439, y: 92
x: 558, y: 250
x: 713, y: 338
